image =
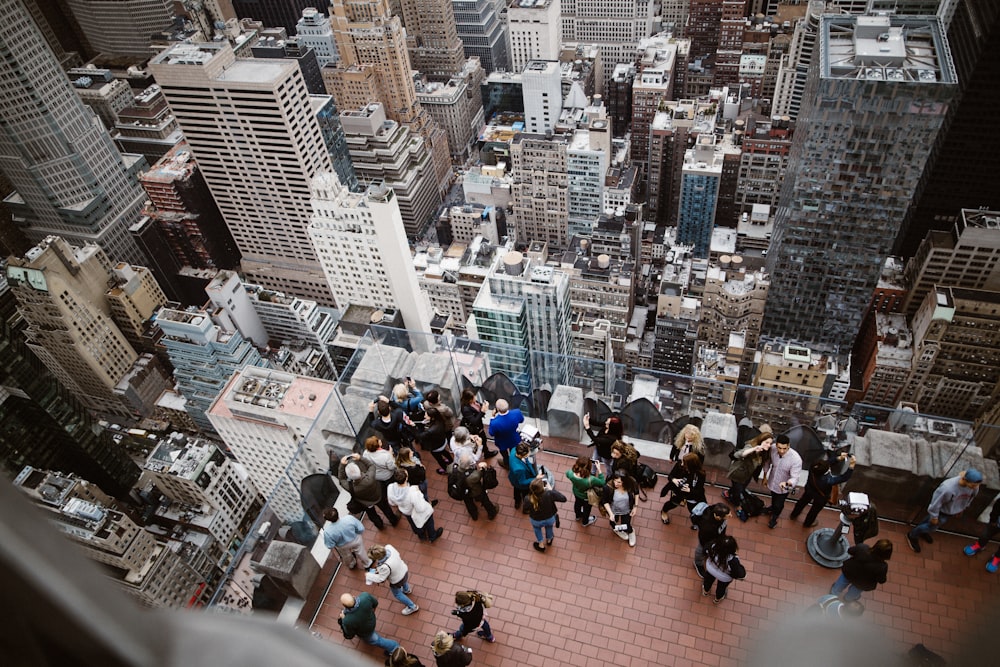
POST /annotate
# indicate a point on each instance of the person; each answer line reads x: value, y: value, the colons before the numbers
x: 463, y: 442
x: 711, y: 526
x: 864, y: 570
x: 781, y: 474
x: 472, y: 613
x: 746, y: 463
x: 473, y: 413
x: 412, y: 504
x: 688, y: 440
x: 624, y: 458
x: 475, y: 491
x: 521, y: 472
x: 357, y: 477
x: 407, y: 459
x: 585, y: 475
x: 540, y: 506
x: 685, y: 484
x: 503, y: 429
x: 388, y: 565
x: 819, y: 486
x: 345, y: 535
x: 400, y: 658
x: 432, y: 399
x: 722, y: 565
x: 618, y: 499
x: 951, y: 498
x: 390, y: 424
x: 609, y: 434
x: 357, y: 619
x: 382, y: 458
x: 434, y: 439
x: 449, y: 654
x: 992, y: 528
x: 408, y: 398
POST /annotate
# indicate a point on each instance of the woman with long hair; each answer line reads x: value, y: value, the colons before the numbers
x: 722, y: 565
x: 448, y: 653
x: 685, y: 484
x: 435, y: 440
x: 540, y: 505
x: 619, y: 503
x: 407, y: 459
x: 585, y: 475
x: 400, y: 658
x: 746, y: 463
x: 688, y: 440
x: 473, y: 413
x: 603, y: 437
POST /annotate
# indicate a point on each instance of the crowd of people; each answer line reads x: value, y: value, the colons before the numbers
x: 389, y: 476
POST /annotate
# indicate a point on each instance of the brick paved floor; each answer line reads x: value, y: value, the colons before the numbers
x: 593, y: 600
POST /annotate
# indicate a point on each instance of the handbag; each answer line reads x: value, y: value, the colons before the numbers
x: 489, y: 478
x: 594, y: 497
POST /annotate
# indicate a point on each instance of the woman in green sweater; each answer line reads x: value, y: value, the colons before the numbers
x: 583, y: 477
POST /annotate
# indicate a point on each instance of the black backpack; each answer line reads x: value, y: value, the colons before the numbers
x: 456, y: 483
x: 647, y: 476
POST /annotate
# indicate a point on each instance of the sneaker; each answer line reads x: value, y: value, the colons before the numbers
x: 742, y: 516
x: 705, y: 593
x: 912, y: 541
x: 718, y: 600
x: 699, y: 570
x: 993, y: 565
x: 590, y: 522
x: 972, y: 549
x: 728, y: 497
x: 411, y: 610
x: 926, y: 537
x: 482, y: 635
x: 631, y: 539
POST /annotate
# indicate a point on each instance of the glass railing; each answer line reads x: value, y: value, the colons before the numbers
x: 901, y: 454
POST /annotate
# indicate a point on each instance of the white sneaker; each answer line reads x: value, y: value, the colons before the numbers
x: 411, y: 610
x: 631, y: 539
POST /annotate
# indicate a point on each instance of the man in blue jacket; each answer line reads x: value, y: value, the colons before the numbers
x: 522, y: 473
x: 503, y: 429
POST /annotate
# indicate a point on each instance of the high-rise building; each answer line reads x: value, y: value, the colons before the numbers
x: 534, y: 30
x: 614, y: 26
x: 457, y: 107
x: 147, y: 127
x: 314, y: 30
x: 700, y: 179
x: 432, y: 38
x: 483, y: 32
x: 120, y: 27
x: 253, y: 131
x: 44, y: 424
x: 733, y: 302
x: 273, y: 424
x: 101, y: 91
x: 653, y: 85
x: 361, y: 244
x: 763, y: 163
x: 541, y: 85
x: 69, y: 178
x: 875, y: 104
x: 795, y: 64
x: 204, y: 354
x: 275, y: 13
x: 704, y: 26
x: 133, y: 299
x: 540, y: 190
x: 385, y: 151
x: 587, y: 158
x: 60, y: 293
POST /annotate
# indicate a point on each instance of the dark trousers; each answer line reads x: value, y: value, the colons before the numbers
x: 484, y: 499
x: 622, y: 520
x: 505, y: 455
x: 519, y: 494
x: 425, y: 532
x: 720, y: 590
x: 581, y: 508
x: 777, y: 504
x: 809, y: 495
x: 386, y: 510
x: 988, y: 533
x: 443, y: 457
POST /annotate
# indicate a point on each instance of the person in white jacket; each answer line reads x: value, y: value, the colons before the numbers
x: 387, y: 564
x: 411, y: 503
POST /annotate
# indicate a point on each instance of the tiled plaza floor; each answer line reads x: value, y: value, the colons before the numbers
x: 593, y: 600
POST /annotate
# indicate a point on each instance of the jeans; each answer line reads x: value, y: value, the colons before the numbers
x: 547, y: 524
x: 581, y: 508
x: 425, y: 532
x: 386, y: 645
x: 720, y: 589
x: 925, y: 527
x: 485, y: 627
x: 842, y: 584
x: 400, y: 589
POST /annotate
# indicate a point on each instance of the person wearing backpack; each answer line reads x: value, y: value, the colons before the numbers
x: 584, y: 476
x: 711, y: 526
x: 722, y: 565
x: 470, y: 477
x: 471, y: 611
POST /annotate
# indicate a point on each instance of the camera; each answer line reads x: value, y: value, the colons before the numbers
x: 454, y: 612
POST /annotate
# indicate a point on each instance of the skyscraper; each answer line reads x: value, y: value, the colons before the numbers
x: 873, y: 108
x: 121, y: 27
x: 253, y: 130
x: 432, y: 38
x: 614, y: 26
x: 69, y: 178
x: 533, y: 29
x: 483, y: 33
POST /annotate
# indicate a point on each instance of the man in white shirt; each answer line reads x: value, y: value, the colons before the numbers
x: 781, y: 475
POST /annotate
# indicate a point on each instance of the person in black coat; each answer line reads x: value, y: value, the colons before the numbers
x: 471, y: 611
x: 685, y: 484
x: 603, y: 437
x: 819, y: 486
x: 447, y: 653
x: 711, y: 526
x: 389, y: 423
x: 866, y: 568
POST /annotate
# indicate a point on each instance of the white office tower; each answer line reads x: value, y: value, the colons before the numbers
x: 613, y: 26
x: 542, y: 90
x: 525, y: 305
x: 794, y: 68
x: 362, y: 247
x: 122, y: 27
x: 272, y: 422
x: 587, y: 166
x: 234, y: 307
x: 314, y: 30
x: 534, y: 31
x: 255, y: 136
x: 69, y: 178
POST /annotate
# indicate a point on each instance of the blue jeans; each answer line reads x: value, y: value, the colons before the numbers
x: 925, y: 527
x: 387, y: 645
x: 842, y: 584
x: 400, y: 590
x: 547, y: 524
